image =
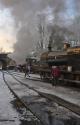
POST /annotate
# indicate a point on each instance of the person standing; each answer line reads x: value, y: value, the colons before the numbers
x: 29, y: 69
x: 26, y: 69
x: 55, y: 72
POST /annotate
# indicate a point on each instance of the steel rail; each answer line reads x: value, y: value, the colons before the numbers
x: 21, y: 100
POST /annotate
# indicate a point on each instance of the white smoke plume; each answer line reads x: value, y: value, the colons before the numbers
x: 77, y: 6
x: 25, y: 14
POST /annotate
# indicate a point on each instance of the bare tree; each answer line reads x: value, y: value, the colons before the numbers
x: 41, y: 33
x: 41, y: 29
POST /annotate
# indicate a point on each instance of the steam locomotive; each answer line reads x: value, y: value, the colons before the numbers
x: 68, y: 60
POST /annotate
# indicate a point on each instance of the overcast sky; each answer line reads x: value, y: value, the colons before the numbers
x: 7, y: 30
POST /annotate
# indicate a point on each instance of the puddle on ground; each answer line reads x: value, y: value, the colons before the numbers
x: 50, y: 112
x: 25, y: 116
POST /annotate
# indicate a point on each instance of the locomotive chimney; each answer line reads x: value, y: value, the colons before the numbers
x: 49, y: 47
x: 50, y: 43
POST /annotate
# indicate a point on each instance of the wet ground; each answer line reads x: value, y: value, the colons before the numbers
x: 50, y: 112
x: 11, y: 110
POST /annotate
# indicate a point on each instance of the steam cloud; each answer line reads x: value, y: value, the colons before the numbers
x: 25, y: 14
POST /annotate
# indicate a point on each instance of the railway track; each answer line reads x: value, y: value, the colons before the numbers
x: 63, y: 82
x: 21, y: 75
x: 17, y: 77
x: 14, y: 93
x: 50, y: 98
